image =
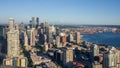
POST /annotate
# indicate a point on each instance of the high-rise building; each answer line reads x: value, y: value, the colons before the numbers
x: 25, y: 39
x: 95, y: 50
x: 32, y: 40
x: 58, y: 42
x: 118, y: 59
x: 37, y: 21
x: 112, y: 57
x: 33, y: 22
x: 77, y: 37
x: 47, y: 30
x: 12, y: 41
x: 109, y: 59
x: 50, y: 34
x: 70, y: 38
x: 67, y: 56
x: 31, y: 36
x: 11, y: 24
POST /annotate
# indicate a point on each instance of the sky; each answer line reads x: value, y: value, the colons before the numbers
x: 101, y: 12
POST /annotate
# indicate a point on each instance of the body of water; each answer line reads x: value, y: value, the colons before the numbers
x: 107, y: 38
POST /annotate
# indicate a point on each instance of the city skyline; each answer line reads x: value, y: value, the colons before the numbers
x: 101, y: 12
x: 49, y: 46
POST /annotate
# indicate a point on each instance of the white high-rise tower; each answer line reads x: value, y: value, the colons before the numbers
x: 12, y: 40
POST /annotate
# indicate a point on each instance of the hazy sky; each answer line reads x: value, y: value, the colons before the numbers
x: 62, y: 11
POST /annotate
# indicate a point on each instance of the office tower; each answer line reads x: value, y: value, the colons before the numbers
x: 25, y: 39
x: 118, y: 58
x: 77, y: 37
x: 70, y: 38
x: 67, y: 56
x: 50, y: 35
x: 28, y: 32
x: 11, y: 24
x: 31, y: 36
x: 32, y: 40
x: 46, y: 27
x: 112, y: 57
x: 95, y: 50
x: 109, y: 59
x: 58, y: 41
x: 12, y: 41
x: 47, y: 30
x: 33, y: 22
x: 37, y: 21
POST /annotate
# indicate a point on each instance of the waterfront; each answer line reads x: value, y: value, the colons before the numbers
x: 107, y: 38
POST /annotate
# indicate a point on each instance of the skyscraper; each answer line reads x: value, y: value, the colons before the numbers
x: 50, y: 34
x: 32, y: 37
x: 33, y: 22
x: 25, y: 39
x: 77, y: 37
x: 12, y: 41
x: 95, y: 50
x: 67, y: 56
x: 109, y: 59
x: 70, y: 38
x: 118, y: 59
x: 11, y: 24
x: 37, y: 21
x: 58, y: 41
x: 112, y: 57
